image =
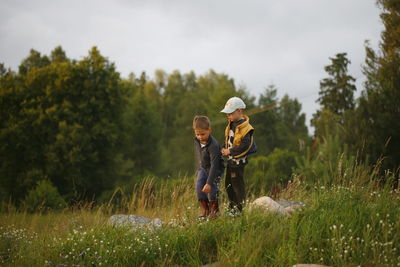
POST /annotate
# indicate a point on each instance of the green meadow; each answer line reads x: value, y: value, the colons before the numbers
x: 80, y: 143
x: 343, y: 224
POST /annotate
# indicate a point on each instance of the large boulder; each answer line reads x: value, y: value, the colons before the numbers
x: 291, y: 206
x: 283, y: 207
x: 134, y: 221
x: 268, y: 204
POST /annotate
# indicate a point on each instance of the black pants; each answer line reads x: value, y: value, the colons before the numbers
x: 234, y: 185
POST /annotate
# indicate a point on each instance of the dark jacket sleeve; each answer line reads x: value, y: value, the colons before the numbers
x: 244, y: 145
x: 215, y: 156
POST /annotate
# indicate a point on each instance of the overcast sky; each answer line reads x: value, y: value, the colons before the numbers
x: 256, y: 42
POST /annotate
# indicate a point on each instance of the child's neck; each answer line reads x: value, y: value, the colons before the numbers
x: 241, y: 118
x: 204, y: 142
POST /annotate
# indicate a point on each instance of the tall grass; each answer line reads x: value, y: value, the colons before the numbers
x: 351, y: 219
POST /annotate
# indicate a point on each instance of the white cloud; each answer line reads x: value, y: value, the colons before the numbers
x: 255, y: 42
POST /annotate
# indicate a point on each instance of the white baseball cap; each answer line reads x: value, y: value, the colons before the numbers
x: 233, y: 104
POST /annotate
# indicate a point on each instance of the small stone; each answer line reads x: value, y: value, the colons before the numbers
x: 134, y: 221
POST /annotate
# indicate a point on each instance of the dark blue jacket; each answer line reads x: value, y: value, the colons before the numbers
x: 210, y: 158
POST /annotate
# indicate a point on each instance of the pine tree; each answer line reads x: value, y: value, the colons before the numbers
x: 336, y: 92
x: 291, y: 124
x: 267, y: 135
x: 336, y: 96
x: 379, y: 109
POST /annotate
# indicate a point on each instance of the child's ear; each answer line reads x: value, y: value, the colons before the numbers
x: 210, y: 129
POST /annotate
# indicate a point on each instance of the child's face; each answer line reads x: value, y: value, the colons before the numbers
x: 235, y: 116
x: 202, y: 135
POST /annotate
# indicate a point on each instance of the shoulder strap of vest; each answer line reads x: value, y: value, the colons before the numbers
x: 247, y: 150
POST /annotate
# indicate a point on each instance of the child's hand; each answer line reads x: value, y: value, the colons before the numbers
x: 206, y: 189
x: 225, y: 152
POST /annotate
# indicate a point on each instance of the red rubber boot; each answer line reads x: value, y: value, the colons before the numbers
x: 214, y: 209
x: 206, y: 209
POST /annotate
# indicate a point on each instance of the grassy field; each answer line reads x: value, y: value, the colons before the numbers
x: 345, y: 223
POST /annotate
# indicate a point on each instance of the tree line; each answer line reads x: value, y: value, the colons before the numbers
x: 81, y: 126
x: 368, y: 125
x: 78, y: 124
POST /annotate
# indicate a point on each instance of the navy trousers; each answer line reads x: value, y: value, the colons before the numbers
x: 201, y: 181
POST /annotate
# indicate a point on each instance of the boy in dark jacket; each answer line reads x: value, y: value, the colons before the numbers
x: 239, y: 143
x: 210, y: 169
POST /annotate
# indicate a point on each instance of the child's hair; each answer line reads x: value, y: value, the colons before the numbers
x: 201, y: 122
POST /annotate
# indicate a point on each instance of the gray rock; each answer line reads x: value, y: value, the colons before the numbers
x: 134, y: 221
x: 283, y: 206
x: 291, y: 206
x: 268, y: 204
x: 286, y: 203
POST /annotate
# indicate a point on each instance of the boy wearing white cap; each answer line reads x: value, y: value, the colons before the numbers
x: 239, y: 143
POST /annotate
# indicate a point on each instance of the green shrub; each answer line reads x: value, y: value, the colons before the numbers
x: 330, y: 162
x: 266, y: 172
x: 44, y: 197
